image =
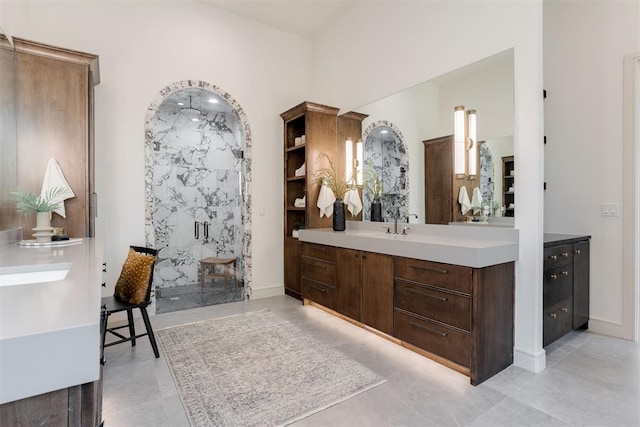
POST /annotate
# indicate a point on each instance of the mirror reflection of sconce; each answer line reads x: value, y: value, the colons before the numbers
x: 465, y: 144
x: 353, y: 167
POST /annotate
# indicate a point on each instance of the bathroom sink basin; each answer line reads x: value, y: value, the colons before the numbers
x: 39, y: 273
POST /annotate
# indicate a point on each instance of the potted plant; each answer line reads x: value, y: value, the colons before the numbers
x: 328, y: 177
x: 28, y: 203
x: 373, y: 185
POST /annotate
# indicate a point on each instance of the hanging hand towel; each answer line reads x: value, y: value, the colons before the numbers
x: 463, y: 199
x: 300, y: 203
x: 53, y: 179
x: 353, y: 202
x: 476, y: 200
x: 325, y: 201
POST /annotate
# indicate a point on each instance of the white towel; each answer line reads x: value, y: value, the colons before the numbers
x: 301, y: 170
x: 300, y: 203
x: 353, y: 202
x: 325, y: 201
x: 476, y: 200
x: 54, y: 178
x: 463, y: 199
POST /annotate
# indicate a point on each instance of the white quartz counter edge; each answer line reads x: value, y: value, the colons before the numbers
x: 50, y: 331
x: 472, y: 251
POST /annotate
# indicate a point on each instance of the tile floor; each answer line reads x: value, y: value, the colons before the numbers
x: 590, y: 380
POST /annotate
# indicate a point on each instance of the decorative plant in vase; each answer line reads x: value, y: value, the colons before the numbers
x: 373, y: 185
x: 327, y: 179
x: 28, y: 203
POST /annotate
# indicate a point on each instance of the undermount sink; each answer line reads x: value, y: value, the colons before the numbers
x: 38, y: 273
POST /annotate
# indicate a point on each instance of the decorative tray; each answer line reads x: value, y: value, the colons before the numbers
x: 34, y: 244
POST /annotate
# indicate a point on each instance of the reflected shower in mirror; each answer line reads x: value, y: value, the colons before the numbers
x: 425, y: 112
x: 385, y: 157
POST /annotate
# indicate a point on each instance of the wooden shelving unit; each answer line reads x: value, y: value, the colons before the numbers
x: 508, y: 185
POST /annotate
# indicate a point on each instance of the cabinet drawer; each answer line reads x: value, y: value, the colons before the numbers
x: 327, y: 253
x: 320, y: 271
x: 452, y: 309
x: 452, y: 277
x: 557, y: 321
x: 319, y: 292
x: 557, y: 254
x: 557, y: 284
x: 432, y: 337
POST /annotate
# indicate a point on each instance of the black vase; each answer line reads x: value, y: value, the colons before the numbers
x: 339, y: 223
x: 376, y: 211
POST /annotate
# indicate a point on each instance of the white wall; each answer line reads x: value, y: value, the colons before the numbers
x: 144, y: 46
x: 583, y: 75
x: 379, y: 48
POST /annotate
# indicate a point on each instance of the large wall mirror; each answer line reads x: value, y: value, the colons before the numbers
x: 425, y: 112
x: 8, y: 145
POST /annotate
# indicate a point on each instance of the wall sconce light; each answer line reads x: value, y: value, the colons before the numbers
x: 354, y: 157
x: 465, y: 143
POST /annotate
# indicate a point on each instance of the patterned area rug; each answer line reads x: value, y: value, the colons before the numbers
x: 256, y: 369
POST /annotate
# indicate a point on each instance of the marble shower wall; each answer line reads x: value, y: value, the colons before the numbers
x: 387, y: 153
x: 196, y: 178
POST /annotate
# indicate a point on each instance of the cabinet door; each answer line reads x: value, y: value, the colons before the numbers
x: 377, y: 291
x: 349, y: 267
x: 580, y: 284
x: 292, y: 271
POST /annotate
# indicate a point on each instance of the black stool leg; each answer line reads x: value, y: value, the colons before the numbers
x: 104, y: 317
x: 147, y: 325
x: 132, y: 327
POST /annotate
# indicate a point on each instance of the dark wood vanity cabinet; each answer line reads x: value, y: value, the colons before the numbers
x: 565, y: 285
x: 461, y: 314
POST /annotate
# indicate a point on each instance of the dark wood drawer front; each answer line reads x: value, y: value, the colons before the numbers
x: 432, y: 337
x: 557, y: 255
x: 558, y: 284
x: 327, y: 253
x: 452, y: 277
x: 452, y: 309
x: 557, y: 321
x: 319, y: 271
x: 319, y: 292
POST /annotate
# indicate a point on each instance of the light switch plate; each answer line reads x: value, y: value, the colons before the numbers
x: 609, y: 209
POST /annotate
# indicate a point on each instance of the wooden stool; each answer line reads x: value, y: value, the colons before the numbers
x: 228, y: 269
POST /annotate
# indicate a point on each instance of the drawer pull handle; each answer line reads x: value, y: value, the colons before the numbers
x: 578, y: 251
x: 433, y: 331
x: 428, y: 295
x: 320, y: 288
x: 316, y: 248
x: 437, y: 270
x: 553, y: 315
x: 564, y: 273
x: 553, y: 257
x: 565, y: 254
x: 324, y: 267
x: 564, y: 310
x: 553, y: 276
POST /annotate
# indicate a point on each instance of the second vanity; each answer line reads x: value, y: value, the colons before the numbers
x: 446, y: 292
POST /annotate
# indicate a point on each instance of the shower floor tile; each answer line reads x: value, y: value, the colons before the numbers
x: 192, y: 296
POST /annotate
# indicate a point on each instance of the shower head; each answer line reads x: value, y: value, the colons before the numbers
x: 191, y: 112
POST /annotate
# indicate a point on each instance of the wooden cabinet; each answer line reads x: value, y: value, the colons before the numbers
x: 462, y: 315
x: 441, y: 185
x: 54, y: 119
x: 565, y: 285
x: 309, y: 130
x: 508, y: 186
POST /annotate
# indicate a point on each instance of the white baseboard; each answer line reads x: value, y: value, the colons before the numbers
x: 266, y: 292
x: 612, y: 329
x: 531, y: 362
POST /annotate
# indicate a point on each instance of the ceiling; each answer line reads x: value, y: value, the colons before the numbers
x: 305, y: 18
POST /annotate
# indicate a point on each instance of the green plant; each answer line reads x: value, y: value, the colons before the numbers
x: 329, y: 176
x: 27, y: 203
x: 372, y: 182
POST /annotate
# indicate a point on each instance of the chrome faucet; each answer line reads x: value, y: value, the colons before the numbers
x: 409, y: 217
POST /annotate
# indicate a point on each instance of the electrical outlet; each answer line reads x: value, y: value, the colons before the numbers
x: 609, y: 209
x: 261, y: 211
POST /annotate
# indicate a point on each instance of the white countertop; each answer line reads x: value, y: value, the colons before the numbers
x: 460, y: 245
x: 50, y: 331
